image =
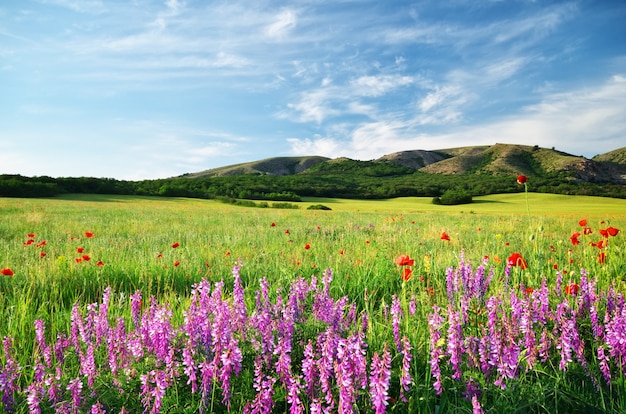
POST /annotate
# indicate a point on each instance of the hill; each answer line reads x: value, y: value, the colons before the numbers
x: 463, y: 172
x: 497, y: 159
x: 270, y: 166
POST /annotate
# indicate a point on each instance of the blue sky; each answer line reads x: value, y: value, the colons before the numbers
x: 140, y: 89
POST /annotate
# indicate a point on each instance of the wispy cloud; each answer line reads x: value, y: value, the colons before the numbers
x: 565, y: 120
x: 283, y: 23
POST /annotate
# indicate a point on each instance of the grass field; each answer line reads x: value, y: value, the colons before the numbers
x: 130, y: 304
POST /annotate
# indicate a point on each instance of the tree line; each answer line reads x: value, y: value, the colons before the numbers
x: 355, y: 184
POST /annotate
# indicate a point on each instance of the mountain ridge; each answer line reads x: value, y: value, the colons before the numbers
x: 516, y: 159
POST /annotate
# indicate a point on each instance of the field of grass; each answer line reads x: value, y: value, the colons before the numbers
x: 130, y: 304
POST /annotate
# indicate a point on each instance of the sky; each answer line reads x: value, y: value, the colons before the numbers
x: 141, y: 89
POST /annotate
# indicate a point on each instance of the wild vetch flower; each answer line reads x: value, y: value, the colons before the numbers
x: 39, y: 337
x: 309, y: 369
x: 35, y: 392
x: 230, y: 363
x: 264, y: 385
x: 293, y: 396
x: 350, y: 367
x: 568, y: 340
x: 75, y: 387
x: 603, y: 362
x: 396, y: 315
x: 380, y: 374
x: 97, y: 408
x: 88, y: 365
x: 135, y: 306
x: 435, y: 320
x: 455, y: 341
x: 239, y: 305
x: 615, y: 336
x: 345, y: 377
x: 116, y: 346
x: 405, y: 374
x: 9, y: 375
x: 476, y: 407
x: 153, y: 388
x: 327, y: 343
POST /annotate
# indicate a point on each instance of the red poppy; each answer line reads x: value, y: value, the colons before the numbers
x: 602, y: 257
x: 582, y: 223
x: 227, y: 253
x: 176, y: 263
x: 273, y: 224
x: 307, y: 246
x: 100, y: 263
x: 572, y: 289
x: 341, y: 252
x: 42, y: 243
x: 287, y: 231
x: 80, y: 249
x: 404, y: 260
x: 7, y: 272
x: 555, y: 266
x: 529, y: 290
x: 444, y: 236
x: 86, y: 257
x: 78, y: 259
x: 42, y: 254
x: 574, y: 238
x: 29, y: 242
x: 89, y: 234
x: 587, y: 230
x: 160, y: 256
x: 516, y: 259
x: 521, y: 179
x: 612, y: 231
x: 604, y: 233
x: 175, y: 245
x: 406, y: 274
x: 31, y: 235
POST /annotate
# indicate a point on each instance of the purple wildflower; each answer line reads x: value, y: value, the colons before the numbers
x: 153, y: 387
x: 9, y: 375
x: 435, y: 321
x: 396, y: 316
x: 309, y: 369
x: 405, y: 374
x: 75, y: 387
x: 239, y: 304
x: 135, y: 306
x: 380, y: 374
x: 603, y: 362
x: 455, y: 342
x: 97, y: 408
x: 264, y: 385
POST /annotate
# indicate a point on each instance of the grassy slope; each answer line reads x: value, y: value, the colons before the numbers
x: 505, y: 204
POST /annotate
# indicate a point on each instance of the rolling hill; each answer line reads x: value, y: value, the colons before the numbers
x: 497, y: 159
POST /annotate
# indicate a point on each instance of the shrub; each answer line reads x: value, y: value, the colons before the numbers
x: 318, y: 207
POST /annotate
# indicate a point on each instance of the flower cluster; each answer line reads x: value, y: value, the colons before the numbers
x: 207, y: 353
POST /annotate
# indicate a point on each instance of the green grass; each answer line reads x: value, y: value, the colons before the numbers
x: 357, y: 239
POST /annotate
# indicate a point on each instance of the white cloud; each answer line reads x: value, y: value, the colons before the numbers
x: 568, y: 121
x: 283, y: 23
x: 379, y: 85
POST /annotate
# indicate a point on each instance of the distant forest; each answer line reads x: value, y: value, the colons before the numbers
x: 387, y: 181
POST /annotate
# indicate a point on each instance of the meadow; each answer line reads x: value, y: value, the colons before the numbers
x: 514, y: 303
